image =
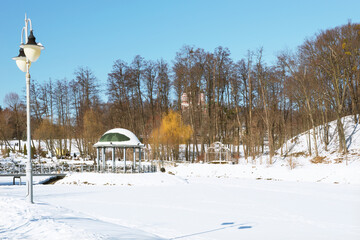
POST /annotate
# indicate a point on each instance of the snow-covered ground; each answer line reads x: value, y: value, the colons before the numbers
x: 341, y: 173
x: 164, y: 206
x: 297, y: 148
x: 291, y: 199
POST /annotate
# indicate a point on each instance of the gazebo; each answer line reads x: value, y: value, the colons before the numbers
x: 118, y: 138
x: 217, y: 153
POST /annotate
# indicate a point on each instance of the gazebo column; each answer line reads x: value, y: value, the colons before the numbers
x: 113, y: 159
x: 124, y: 160
x: 139, y: 160
x: 220, y: 155
x: 97, y: 159
x: 134, y: 161
x: 104, y: 158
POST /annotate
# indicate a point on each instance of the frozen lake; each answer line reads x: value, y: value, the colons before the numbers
x: 168, y: 207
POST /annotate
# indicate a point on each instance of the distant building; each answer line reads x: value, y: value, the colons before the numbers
x: 185, y: 102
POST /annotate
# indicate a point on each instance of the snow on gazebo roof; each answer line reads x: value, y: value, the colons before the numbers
x: 119, y: 137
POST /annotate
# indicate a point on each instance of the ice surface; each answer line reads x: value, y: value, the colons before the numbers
x: 198, y: 208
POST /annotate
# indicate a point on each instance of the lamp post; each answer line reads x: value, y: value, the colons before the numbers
x: 28, y: 53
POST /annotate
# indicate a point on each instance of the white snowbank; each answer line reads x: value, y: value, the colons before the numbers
x: 329, y: 173
x: 143, y: 179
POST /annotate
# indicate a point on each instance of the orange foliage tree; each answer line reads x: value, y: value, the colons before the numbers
x: 166, y: 139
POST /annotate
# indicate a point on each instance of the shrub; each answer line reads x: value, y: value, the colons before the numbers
x: 318, y: 159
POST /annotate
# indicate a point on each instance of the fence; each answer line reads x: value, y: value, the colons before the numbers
x: 15, y: 168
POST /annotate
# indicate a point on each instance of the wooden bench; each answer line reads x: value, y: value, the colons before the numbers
x: 19, y: 177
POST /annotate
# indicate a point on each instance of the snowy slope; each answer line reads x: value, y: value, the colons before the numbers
x: 297, y: 147
x: 297, y: 164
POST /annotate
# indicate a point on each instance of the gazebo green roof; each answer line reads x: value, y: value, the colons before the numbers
x: 119, y: 137
x: 114, y: 137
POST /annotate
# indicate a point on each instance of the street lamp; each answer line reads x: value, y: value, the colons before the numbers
x: 29, y: 52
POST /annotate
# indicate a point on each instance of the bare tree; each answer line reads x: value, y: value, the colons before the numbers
x: 17, y: 117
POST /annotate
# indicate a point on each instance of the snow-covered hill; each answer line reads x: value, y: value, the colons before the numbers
x: 297, y: 147
x: 296, y: 164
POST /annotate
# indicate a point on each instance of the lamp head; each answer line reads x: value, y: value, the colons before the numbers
x: 31, y: 48
x: 21, y: 60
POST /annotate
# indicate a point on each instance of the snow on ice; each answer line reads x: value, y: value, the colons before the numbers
x: 195, y: 208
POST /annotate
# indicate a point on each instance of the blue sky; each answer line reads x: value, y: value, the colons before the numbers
x: 96, y: 33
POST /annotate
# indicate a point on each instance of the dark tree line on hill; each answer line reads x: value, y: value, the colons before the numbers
x: 245, y: 103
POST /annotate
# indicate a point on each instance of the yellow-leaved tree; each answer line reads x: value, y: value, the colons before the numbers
x: 166, y: 139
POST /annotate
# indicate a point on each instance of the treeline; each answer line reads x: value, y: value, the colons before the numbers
x: 245, y: 103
